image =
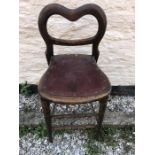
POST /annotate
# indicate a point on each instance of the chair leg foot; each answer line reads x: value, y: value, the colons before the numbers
x: 47, y: 116
x: 50, y: 139
x: 102, y: 108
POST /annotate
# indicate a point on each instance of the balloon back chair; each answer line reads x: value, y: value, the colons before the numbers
x: 72, y: 78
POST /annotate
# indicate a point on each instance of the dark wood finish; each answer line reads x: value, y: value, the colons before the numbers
x: 120, y: 90
x: 102, y: 108
x: 46, y: 110
x: 73, y: 79
x: 72, y: 15
x: 59, y: 127
x: 73, y: 115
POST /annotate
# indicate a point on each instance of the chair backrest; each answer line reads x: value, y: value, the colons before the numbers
x: 72, y: 15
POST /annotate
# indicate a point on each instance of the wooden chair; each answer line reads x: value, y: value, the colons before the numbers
x: 75, y: 78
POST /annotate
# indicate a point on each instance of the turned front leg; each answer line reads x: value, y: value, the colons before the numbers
x: 102, y: 108
x: 47, y: 116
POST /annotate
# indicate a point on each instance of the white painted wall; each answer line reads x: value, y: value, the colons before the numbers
x: 116, y: 48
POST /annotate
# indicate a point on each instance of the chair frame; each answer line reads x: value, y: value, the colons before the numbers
x: 72, y: 15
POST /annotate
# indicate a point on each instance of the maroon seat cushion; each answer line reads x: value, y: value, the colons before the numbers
x: 73, y: 76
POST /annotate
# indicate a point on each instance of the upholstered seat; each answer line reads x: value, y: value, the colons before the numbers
x: 72, y: 79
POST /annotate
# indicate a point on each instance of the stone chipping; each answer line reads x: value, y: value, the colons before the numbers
x: 124, y: 104
x: 72, y: 143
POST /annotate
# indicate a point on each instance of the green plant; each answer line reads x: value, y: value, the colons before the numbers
x: 92, y: 149
x: 40, y: 130
x: 112, y: 135
x: 62, y: 131
x: 25, y: 89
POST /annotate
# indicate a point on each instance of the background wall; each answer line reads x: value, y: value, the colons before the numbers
x: 116, y: 48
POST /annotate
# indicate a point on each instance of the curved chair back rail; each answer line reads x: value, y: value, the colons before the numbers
x: 72, y: 15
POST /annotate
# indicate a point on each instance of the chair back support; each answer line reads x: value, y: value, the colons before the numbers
x: 72, y: 15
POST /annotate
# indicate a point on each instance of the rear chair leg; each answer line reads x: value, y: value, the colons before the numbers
x: 102, y: 108
x: 47, y: 116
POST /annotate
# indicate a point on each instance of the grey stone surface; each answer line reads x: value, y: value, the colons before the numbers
x: 72, y: 144
x: 120, y: 111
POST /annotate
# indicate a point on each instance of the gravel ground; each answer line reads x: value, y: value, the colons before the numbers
x: 62, y: 145
x: 76, y: 143
x: 121, y: 103
x: 115, y: 103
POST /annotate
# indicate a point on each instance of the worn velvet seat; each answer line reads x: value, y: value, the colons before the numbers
x: 73, y: 78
